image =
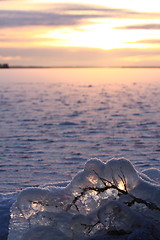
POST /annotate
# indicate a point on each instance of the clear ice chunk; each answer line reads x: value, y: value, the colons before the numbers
x: 104, y: 201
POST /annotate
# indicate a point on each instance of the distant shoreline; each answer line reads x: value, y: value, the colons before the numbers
x: 33, y: 67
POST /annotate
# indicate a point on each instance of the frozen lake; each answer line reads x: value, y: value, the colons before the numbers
x: 53, y: 120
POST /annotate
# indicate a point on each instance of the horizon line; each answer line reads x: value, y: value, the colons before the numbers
x: 32, y: 66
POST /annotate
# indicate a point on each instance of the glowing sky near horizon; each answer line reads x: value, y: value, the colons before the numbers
x: 86, y: 32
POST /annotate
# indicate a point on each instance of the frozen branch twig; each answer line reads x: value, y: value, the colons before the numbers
x: 113, y: 185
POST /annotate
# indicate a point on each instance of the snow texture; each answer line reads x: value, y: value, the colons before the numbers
x: 104, y: 201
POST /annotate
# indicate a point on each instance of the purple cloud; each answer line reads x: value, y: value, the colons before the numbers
x: 152, y: 26
x: 69, y: 15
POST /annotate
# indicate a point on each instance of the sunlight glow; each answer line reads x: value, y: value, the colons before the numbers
x: 103, y: 35
x: 121, y: 186
x: 93, y: 179
x: 98, y: 25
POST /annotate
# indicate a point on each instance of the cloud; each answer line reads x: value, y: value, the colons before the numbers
x: 106, y: 11
x: 36, y: 18
x: 66, y: 15
x: 25, y: 40
x: 141, y: 27
x: 148, y: 41
x: 8, y: 58
x: 82, y: 56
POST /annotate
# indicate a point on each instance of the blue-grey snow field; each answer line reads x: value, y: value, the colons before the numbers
x: 52, y: 121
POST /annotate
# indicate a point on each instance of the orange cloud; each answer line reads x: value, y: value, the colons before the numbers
x: 8, y: 58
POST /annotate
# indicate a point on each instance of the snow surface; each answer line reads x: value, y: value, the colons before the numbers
x: 53, y: 120
x: 104, y: 200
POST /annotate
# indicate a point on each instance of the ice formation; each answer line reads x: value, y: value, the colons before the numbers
x: 104, y: 201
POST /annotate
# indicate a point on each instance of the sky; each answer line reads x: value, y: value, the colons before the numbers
x: 80, y: 32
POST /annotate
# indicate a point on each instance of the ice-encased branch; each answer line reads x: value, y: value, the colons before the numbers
x: 96, y: 189
x: 113, y: 185
x: 150, y: 205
